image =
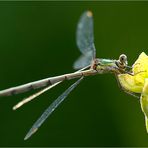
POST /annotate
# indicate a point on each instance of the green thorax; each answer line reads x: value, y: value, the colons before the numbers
x: 106, y: 65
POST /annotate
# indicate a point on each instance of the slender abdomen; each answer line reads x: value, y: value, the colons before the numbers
x: 44, y: 82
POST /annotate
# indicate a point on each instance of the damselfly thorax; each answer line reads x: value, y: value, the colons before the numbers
x: 111, y: 66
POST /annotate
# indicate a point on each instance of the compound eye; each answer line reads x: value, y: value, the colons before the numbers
x: 123, y: 58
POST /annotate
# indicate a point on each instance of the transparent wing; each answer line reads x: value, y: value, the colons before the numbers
x: 30, y: 98
x: 85, y: 40
x: 83, y: 61
x: 50, y: 109
x: 85, y: 34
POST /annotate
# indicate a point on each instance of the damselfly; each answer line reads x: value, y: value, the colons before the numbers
x: 87, y: 64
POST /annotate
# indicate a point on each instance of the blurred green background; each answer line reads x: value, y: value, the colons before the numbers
x: 37, y: 40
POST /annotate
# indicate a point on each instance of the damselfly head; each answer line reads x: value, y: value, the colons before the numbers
x: 122, y: 61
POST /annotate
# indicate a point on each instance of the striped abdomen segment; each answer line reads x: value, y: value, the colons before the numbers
x: 44, y: 82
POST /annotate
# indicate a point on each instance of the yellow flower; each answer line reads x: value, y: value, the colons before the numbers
x: 138, y: 83
x: 135, y: 83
